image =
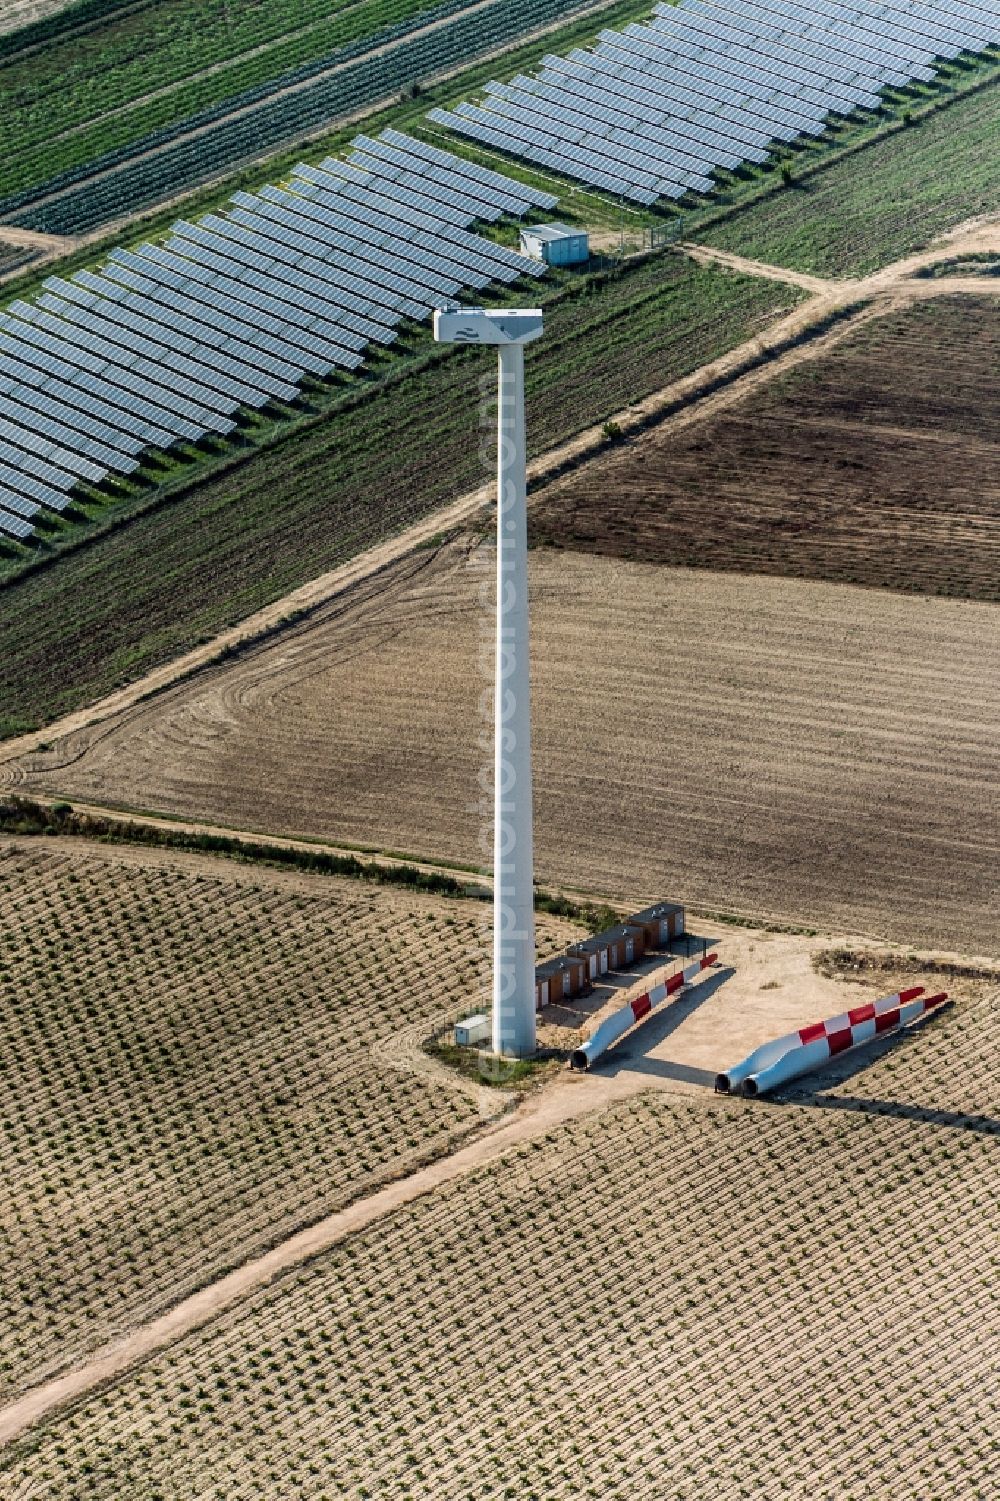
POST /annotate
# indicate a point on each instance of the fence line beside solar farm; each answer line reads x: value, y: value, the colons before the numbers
x: 652, y: 111
x: 166, y: 343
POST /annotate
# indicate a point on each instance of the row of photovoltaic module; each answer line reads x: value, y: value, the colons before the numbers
x: 651, y: 111
x: 167, y: 343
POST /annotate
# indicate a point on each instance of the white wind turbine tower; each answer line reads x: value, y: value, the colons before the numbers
x: 513, y: 896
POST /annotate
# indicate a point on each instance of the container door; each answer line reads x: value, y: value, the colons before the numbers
x: 545, y: 992
x: 592, y: 961
x: 629, y: 950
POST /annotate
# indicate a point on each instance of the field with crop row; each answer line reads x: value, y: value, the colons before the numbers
x: 812, y: 751
x: 877, y: 205
x: 106, y: 613
x: 196, y: 1059
x: 662, y: 1301
x: 144, y: 167
x: 185, y: 56
x: 875, y: 465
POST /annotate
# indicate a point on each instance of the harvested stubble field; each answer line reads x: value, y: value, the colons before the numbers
x: 107, y: 612
x: 732, y: 1301
x: 873, y: 206
x: 823, y: 754
x: 196, y: 1059
x: 879, y: 464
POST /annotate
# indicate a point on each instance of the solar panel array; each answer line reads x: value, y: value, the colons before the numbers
x: 167, y: 343
x: 651, y: 111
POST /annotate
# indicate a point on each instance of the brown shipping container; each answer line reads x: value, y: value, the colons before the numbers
x: 559, y: 980
x: 661, y: 922
x: 624, y: 944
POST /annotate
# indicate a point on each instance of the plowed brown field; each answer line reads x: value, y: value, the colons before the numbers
x: 821, y: 753
x: 879, y: 464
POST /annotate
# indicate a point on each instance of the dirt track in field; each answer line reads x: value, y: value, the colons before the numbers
x: 554, y: 1107
x: 283, y: 742
x: 246, y: 984
x: 974, y: 237
x: 823, y: 754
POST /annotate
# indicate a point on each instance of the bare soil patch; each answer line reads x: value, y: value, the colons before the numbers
x: 11, y: 235
x: 823, y: 754
x: 877, y: 464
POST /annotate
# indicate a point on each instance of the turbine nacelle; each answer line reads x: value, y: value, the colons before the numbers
x: 477, y: 325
